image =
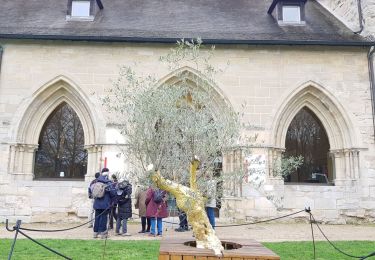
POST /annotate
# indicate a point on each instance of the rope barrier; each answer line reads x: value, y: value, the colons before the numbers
x: 64, y: 229
x: 334, y: 246
x: 263, y: 221
x: 46, y: 247
x: 18, y: 229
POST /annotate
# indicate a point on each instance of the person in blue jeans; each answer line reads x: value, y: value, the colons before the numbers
x: 211, y: 201
x: 156, y: 210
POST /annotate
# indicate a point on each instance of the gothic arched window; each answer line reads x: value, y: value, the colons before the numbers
x: 61, y: 152
x: 306, y: 136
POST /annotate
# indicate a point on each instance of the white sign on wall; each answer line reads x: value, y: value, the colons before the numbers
x: 255, y: 165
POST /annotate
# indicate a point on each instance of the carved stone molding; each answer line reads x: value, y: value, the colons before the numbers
x: 21, y: 158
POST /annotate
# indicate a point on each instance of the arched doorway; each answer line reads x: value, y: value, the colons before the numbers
x: 307, y: 137
x: 61, y: 152
x: 327, y: 113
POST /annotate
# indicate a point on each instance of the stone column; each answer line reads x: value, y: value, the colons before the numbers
x: 94, y: 156
x: 22, y: 160
x: 339, y: 165
x: 275, y: 156
x: 356, y: 164
x: 346, y: 162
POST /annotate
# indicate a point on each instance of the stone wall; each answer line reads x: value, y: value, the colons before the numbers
x: 265, y: 77
x: 347, y: 12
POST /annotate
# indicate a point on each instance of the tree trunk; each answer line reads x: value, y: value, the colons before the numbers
x: 192, y: 203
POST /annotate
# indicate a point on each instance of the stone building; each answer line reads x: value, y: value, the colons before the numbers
x: 304, y: 68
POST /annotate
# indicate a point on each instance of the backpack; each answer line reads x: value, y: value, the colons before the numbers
x: 98, y: 190
x: 158, y: 196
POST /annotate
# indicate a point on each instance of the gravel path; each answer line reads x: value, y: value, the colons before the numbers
x: 261, y: 232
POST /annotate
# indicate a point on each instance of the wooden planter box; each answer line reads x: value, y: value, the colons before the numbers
x: 176, y: 249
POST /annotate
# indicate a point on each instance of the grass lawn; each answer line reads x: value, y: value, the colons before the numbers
x: 324, y: 251
x: 148, y: 250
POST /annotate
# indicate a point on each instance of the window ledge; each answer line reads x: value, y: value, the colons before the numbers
x: 282, y: 23
x: 59, y: 179
x: 80, y: 18
x: 308, y: 184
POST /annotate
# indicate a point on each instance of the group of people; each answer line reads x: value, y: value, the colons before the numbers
x: 107, y: 196
x: 111, y: 199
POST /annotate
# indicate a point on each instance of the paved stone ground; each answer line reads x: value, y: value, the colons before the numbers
x: 275, y: 232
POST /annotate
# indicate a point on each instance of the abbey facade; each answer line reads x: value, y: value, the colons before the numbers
x: 305, y: 75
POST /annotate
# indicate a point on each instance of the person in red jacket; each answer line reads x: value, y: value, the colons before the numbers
x: 156, y: 203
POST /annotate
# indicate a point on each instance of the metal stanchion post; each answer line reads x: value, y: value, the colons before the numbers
x: 16, y: 227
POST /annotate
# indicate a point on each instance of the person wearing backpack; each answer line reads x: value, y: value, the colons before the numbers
x: 92, y: 210
x: 103, y: 194
x: 156, y: 203
x: 124, y: 201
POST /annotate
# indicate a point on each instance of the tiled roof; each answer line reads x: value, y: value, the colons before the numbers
x: 218, y: 21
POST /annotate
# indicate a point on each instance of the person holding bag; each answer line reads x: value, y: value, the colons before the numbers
x: 156, y: 201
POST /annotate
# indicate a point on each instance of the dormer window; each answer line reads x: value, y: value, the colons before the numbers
x: 82, y: 10
x: 291, y: 14
x: 288, y: 12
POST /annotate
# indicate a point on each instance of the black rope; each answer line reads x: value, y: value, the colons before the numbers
x: 335, y: 247
x: 164, y: 221
x: 262, y: 221
x: 64, y: 229
x: 368, y: 256
x: 245, y: 224
x: 46, y: 247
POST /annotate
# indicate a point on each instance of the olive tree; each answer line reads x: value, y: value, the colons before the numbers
x: 179, y: 126
x: 175, y: 130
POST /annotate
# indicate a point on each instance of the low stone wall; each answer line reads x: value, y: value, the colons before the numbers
x: 66, y: 201
x: 44, y: 201
x: 339, y: 204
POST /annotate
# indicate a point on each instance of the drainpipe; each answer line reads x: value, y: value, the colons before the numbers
x: 360, y: 17
x: 100, y: 4
x: 371, y: 61
x: 1, y: 55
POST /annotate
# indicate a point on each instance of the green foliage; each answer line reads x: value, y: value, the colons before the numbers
x: 286, y: 165
x: 170, y: 123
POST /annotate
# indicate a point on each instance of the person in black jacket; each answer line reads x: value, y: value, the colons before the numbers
x: 113, y: 212
x: 124, y: 190
x: 184, y: 226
